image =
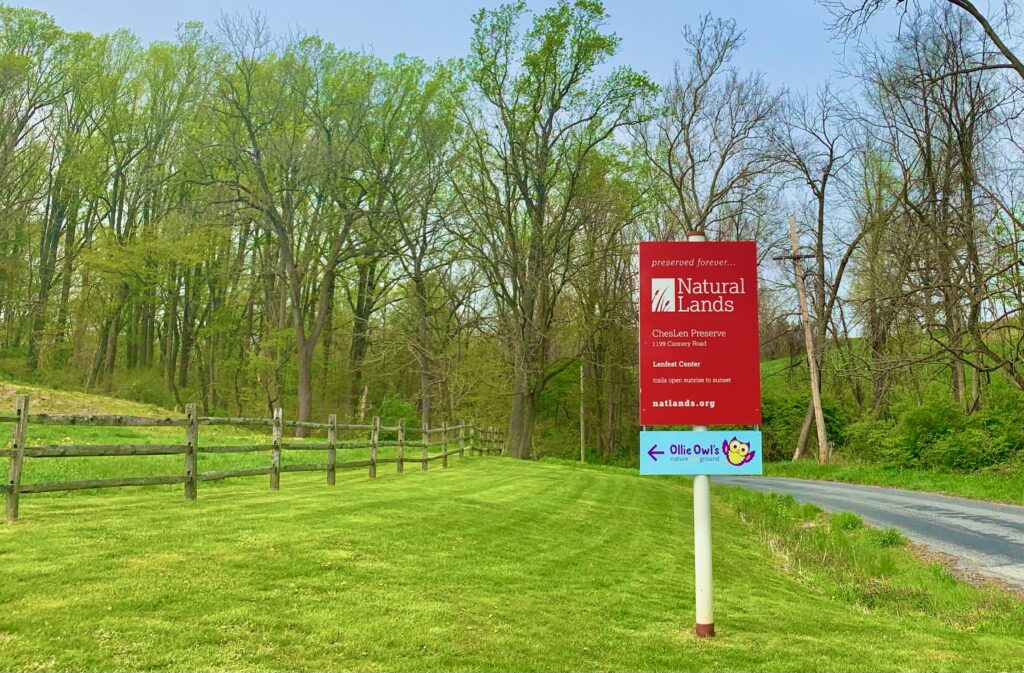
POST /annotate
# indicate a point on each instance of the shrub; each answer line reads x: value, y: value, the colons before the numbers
x: 148, y: 390
x: 937, y: 433
x: 846, y: 521
x: 905, y: 441
x: 922, y: 425
x: 868, y: 440
x: 890, y: 537
x: 807, y: 511
x: 967, y: 449
x: 781, y: 418
x: 782, y: 415
x: 390, y: 410
x: 1002, y: 415
x: 557, y: 430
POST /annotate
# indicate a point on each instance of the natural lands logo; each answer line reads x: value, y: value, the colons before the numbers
x: 687, y: 295
x: 737, y: 452
x: 663, y: 299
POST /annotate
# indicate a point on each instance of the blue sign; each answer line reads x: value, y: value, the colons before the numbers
x: 700, y: 452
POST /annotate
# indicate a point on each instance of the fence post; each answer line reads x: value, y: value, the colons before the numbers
x: 444, y: 445
x: 17, y: 457
x: 401, y: 446
x: 332, y: 453
x: 462, y: 440
x: 374, y: 434
x: 191, y: 459
x: 426, y: 445
x: 275, y: 452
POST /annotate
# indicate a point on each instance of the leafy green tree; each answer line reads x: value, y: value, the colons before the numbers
x: 541, y: 114
x: 290, y: 125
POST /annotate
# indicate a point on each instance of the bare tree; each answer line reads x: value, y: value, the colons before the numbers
x: 705, y: 142
x: 1001, y: 28
x: 814, y: 143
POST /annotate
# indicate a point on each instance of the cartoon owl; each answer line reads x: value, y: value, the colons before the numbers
x: 737, y: 452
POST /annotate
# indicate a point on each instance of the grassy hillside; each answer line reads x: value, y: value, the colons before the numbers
x: 58, y: 469
x: 492, y: 564
x: 49, y: 400
x: 925, y: 441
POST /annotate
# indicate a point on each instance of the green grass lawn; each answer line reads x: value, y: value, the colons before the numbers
x: 1003, y: 483
x: 492, y: 564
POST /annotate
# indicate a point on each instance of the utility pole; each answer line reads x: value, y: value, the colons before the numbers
x: 812, y: 362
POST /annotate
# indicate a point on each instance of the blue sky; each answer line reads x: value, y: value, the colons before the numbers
x: 786, y: 39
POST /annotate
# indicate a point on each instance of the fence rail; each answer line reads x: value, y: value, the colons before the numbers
x: 135, y: 421
x: 466, y: 437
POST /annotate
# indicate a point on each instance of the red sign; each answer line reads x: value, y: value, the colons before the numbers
x: 699, y: 360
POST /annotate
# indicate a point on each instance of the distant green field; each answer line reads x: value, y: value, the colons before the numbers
x: 1003, y: 483
x: 492, y: 564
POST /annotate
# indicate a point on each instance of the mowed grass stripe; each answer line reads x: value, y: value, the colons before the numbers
x: 491, y: 564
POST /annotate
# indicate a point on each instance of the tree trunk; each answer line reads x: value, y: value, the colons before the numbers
x: 47, y: 267
x: 613, y: 414
x: 305, y: 386
x: 360, y: 333
x: 188, y: 326
x: 421, y: 346
x: 325, y: 368
x: 132, y: 334
x: 99, y: 357
x: 111, y: 351
x: 172, y: 340
x: 522, y: 416
x: 65, y: 281
x: 805, y: 432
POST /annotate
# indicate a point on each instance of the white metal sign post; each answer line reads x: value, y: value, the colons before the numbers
x: 705, y: 624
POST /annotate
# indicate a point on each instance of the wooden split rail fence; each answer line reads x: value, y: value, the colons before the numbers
x: 465, y: 437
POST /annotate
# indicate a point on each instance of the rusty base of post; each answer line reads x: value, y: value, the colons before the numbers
x: 704, y: 630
